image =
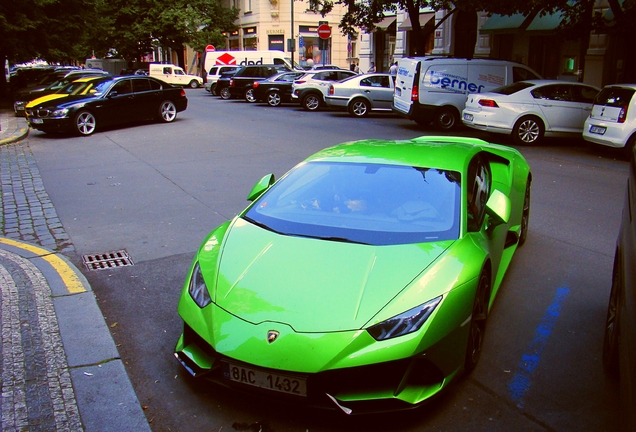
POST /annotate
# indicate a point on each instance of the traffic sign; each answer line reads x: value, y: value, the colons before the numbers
x: 209, y: 48
x: 324, y: 31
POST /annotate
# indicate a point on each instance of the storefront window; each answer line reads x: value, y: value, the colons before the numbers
x: 309, y: 53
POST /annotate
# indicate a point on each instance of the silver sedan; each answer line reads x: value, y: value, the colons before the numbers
x: 361, y: 94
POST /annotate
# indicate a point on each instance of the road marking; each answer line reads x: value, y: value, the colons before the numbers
x: 73, y: 284
x: 520, y: 383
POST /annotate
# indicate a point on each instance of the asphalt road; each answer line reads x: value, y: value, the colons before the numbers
x: 156, y: 190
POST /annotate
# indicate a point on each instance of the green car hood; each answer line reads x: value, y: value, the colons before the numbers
x: 310, y: 284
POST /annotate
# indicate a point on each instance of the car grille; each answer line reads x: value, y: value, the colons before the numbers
x: 31, y: 112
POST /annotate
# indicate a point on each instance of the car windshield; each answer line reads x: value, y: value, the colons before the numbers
x: 512, y: 88
x: 92, y: 87
x: 373, y: 204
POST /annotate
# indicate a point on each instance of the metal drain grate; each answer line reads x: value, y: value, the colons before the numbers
x: 107, y: 260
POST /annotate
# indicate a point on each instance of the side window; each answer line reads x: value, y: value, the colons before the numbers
x: 178, y: 72
x: 213, y: 71
x: 557, y: 92
x: 477, y: 193
x: 322, y: 76
x: 278, y: 61
x: 167, y: 70
x: 122, y: 87
x: 154, y: 85
x: 366, y: 82
x: 343, y: 75
x: 141, y: 85
x: 584, y: 94
x: 523, y: 74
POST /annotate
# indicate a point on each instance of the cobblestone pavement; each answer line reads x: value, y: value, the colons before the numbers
x: 26, y: 212
x: 37, y: 392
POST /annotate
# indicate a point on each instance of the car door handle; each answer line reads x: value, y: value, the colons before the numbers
x: 367, y: 91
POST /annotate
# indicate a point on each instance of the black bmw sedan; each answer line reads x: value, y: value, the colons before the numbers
x: 90, y: 103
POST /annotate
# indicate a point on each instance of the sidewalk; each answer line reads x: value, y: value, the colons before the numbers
x: 60, y: 367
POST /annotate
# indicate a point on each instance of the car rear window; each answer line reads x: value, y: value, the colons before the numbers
x: 512, y: 88
x: 614, y: 97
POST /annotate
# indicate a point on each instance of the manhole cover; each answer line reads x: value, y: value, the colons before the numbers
x: 107, y: 260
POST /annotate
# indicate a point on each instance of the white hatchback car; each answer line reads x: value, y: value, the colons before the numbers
x: 528, y: 110
x: 612, y: 121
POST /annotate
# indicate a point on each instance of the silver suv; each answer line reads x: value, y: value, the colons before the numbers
x: 310, y: 89
x: 612, y: 121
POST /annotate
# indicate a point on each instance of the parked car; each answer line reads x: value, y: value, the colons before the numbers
x: 528, y: 110
x: 276, y: 89
x: 361, y: 94
x: 400, y: 247
x: 434, y: 89
x: 242, y: 82
x: 213, y: 75
x: 310, y: 89
x: 619, y: 347
x: 174, y: 75
x: 223, y: 84
x: 87, y: 104
x: 322, y: 67
x: 55, y: 82
x: 612, y: 121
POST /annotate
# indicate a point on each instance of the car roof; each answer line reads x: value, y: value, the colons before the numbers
x: 550, y: 82
x: 440, y: 152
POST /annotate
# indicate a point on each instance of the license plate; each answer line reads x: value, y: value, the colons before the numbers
x: 598, y: 130
x: 468, y: 117
x: 271, y: 381
x: 398, y: 91
x: 37, y: 121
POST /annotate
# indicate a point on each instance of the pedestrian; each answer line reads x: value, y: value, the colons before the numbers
x: 352, y: 67
x: 393, y: 71
x: 372, y: 68
x: 357, y: 69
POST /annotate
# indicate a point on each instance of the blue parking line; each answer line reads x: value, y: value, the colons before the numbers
x: 530, y: 360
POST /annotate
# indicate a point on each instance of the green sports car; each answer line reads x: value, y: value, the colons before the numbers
x: 362, y: 279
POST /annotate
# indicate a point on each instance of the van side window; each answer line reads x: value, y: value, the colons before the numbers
x: 167, y: 70
x: 523, y: 74
x: 178, y: 72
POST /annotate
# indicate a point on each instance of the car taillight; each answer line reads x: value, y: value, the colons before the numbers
x: 415, y: 93
x: 331, y: 90
x: 255, y: 84
x: 623, y: 114
x: 183, y: 93
x: 299, y: 82
x: 232, y: 83
x: 488, y: 103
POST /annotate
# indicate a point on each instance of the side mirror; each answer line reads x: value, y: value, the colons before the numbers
x: 261, y: 186
x: 498, y: 208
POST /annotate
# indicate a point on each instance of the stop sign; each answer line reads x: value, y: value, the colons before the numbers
x: 324, y: 31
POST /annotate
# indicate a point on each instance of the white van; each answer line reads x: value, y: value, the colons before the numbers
x: 174, y: 75
x: 246, y: 58
x: 434, y: 89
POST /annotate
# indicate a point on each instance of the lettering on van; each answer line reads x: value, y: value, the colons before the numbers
x: 451, y: 82
x: 404, y: 72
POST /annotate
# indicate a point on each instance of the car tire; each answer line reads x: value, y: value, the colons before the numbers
x: 478, y: 320
x: 213, y: 90
x: 525, y: 215
x: 629, y: 147
x: 311, y: 102
x: 194, y: 84
x: 359, y: 108
x: 528, y: 130
x: 85, y: 123
x: 249, y: 95
x: 610, y: 340
x: 167, y: 111
x: 273, y: 99
x: 225, y: 93
x: 446, y: 118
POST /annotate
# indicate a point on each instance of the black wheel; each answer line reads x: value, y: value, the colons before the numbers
x: 273, y: 99
x: 249, y: 95
x: 311, y: 102
x: 446, y: 118
x: 478, y: 323
x: 225, y: 93
x: 359, y: 108
x: 525, y: 215
x: 85, y: 123
x: 528, y: 131
x: 194, y: 84
x: 167, y: 111
x: 213, y: 90
x: 610, y: 342
x: 629, y: 147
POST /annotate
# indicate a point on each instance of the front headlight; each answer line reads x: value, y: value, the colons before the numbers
x: 197, y: 289
x: 405, y: 323
x: 59, y: 113
x: 19, y: 104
